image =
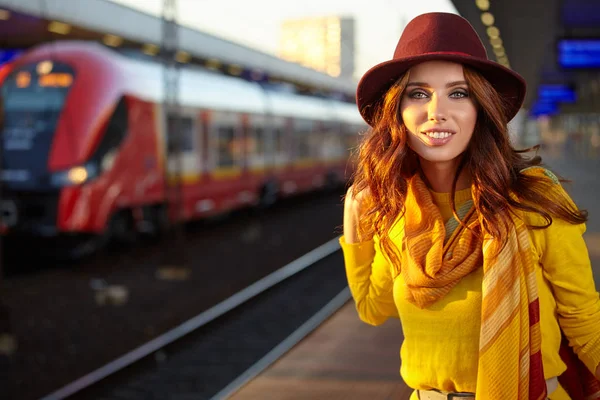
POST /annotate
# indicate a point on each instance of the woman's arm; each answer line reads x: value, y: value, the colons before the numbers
x: 566, y: 265
x: 368, y: 273
x: 352, y: 212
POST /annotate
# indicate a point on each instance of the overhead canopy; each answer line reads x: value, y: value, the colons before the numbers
x: 90, y: 19
x: 530, y: 31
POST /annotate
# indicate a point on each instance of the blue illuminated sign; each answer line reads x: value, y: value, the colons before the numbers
x: 543, y: 108
x: 557, y: 93
x: 579, y: 53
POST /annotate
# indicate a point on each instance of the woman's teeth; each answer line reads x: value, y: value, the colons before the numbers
x: 438, y: 135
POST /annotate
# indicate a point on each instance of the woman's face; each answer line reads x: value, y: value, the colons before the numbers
x: 438, y: 111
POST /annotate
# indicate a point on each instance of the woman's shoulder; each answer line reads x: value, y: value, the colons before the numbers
x: 543, y: 172
x: 548, y: 184
x: 551, y: 187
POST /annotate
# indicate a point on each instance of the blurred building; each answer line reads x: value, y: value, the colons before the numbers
x: 27, y: 23
x: 324, y: 44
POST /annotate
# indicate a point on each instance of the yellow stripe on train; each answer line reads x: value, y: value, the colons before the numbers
x: 226, y: 173
x: 185, y: 178
x: 304, y: 163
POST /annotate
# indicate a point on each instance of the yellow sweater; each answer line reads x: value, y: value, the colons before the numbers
x: 440, y: 348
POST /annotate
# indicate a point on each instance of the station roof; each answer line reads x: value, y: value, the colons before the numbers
x: 92, y: 19
x: 530, y: 31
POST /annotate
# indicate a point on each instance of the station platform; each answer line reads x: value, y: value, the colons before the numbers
x: 344, y: 358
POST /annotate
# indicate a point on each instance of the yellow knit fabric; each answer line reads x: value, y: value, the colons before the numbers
x: 441, y: 342
x: 442, y: 200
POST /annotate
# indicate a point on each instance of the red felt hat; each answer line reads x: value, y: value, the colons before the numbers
x: 438, y: 36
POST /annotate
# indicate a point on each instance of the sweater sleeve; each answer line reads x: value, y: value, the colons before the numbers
x: 566, y: 265
x: 370, y: 281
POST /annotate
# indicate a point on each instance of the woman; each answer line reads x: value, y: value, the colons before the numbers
x: 477, y: 250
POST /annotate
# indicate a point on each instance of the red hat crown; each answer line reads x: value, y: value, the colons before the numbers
x: 439, y: 33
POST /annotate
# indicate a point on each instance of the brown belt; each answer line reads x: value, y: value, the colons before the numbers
x: 434, y: 394
x: 438, y: 395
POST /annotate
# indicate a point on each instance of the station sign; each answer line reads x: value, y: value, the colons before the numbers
x: 557, y: 92
x: 540, y: 108
x: 579, y: 53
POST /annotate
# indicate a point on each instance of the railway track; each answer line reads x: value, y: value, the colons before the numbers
x: 217, y: 351
x: 64, y: 332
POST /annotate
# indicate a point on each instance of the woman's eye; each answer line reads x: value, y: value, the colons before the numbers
x: 459, y: 94
x: 417, y: 95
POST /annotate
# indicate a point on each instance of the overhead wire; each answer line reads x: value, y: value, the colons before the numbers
x: 171, y: 110
x: 51, y: 44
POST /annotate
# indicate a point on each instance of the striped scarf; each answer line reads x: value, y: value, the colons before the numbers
x: 435, y: 256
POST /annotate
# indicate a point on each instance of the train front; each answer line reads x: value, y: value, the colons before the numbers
x: 52, y: 115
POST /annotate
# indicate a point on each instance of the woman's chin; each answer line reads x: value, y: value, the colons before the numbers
x: 439, y: 156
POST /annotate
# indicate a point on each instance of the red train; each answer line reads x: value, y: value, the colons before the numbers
x: 89, y: 148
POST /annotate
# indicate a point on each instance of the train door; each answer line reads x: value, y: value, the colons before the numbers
x: 332, y: 153
x: 223, y: 188
x: 265, y: 153
x: 332, y: 149
x: 256, y: 139
x: 282, y: 146
x: 184, y: 155
x: 350, y: 136
x: 302, y: 129
x: 305, y: 144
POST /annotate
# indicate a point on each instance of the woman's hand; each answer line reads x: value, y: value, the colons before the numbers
x: 352, y: 212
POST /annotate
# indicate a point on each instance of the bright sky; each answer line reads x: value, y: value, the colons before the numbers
x: 256, y: 23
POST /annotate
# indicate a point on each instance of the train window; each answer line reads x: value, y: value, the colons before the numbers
x: 279, y: 140
x: 256, y: 147
x: 180, y: 129
x: 227, y: 147
x: 328, y: 142
x: 259, y: 140
x: 303, y: 146
x: 113, y: 136
x: 351, y: 137
x: 34, y: 100
x: 278, y: 150
x: 332, y: 147
x: 315, y: 143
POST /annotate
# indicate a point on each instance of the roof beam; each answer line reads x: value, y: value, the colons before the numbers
x: 528, y: 30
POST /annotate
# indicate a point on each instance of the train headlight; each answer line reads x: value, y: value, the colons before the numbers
x: 74, y: 176
x: 77, y: 175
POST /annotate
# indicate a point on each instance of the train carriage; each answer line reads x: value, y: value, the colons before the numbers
x: 89, y: 149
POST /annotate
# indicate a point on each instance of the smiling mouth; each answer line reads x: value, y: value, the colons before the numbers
x: 438, y: 135
x: 437, y: 138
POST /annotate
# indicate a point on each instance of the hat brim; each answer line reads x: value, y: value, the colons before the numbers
x: 377, y: 81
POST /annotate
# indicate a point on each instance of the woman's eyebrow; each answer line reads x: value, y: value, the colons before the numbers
x: 456, y: 83
x: 425, y: 84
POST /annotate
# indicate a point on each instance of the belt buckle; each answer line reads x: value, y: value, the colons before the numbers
x: 452, y: 396
x: 431, y: 394
x: 436, y: 394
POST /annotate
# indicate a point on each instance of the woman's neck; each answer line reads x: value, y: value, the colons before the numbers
x: 440, y: 175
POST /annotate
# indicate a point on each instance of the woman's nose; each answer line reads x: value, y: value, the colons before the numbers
x: 436, y: 110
